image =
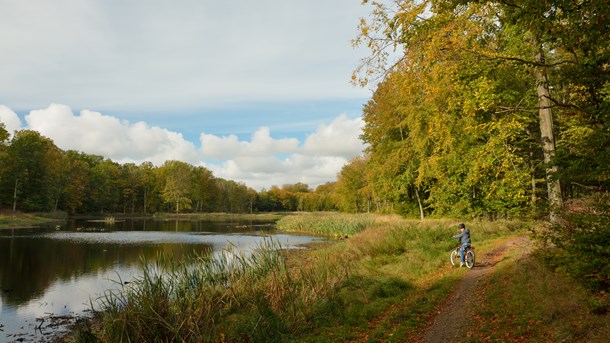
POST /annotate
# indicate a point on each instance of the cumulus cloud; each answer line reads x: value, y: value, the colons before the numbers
x: 261, y: 144
x: 219, y: 147
x: 336, y: 138
x: 10, y: 119
x: 260, y: 161
x: 95, y: 133
x: 264, y: 161
x: 136, y: 57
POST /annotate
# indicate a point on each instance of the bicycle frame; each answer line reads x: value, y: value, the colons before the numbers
x: 469, y: 256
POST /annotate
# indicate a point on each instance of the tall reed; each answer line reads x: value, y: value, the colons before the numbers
x: 329, y: 224
x: 213, y: 298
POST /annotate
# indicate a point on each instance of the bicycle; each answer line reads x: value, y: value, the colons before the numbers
x: 469, y: 256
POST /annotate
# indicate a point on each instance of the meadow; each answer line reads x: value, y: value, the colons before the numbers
x: 380, y: 282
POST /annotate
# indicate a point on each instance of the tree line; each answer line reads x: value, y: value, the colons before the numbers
x: 492, y: 108
x: 37, y: 176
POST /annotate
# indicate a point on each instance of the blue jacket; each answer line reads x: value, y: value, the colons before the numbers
x: 464, y: 237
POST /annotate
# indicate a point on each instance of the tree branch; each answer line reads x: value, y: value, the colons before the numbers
x: 518, y: 59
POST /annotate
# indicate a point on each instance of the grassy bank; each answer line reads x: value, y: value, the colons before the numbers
x: 383, y: 283
x: 18, y: 219
x: 332, y: 293
x: 525, y: 300
x: 9, y: 219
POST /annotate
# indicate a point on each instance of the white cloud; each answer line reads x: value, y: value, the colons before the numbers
x: 260, y: 162
x: 265, y: 161
x: 337, y: 138
x: 219, y: 147
x: 261, y: 144
x: 95, y: 133
x: 10, y: 119
x: 188, y: 58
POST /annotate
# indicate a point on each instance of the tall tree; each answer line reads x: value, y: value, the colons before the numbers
x: 352, y: 191
x: 177, y: 184
x: 74, y: 182
x: 29, y: 172
x: 495, y: 65
x: 131, y: 184
x: 204, y: 189
x: 104, y: 186
x: 4, y: 135
x: 149, y: 193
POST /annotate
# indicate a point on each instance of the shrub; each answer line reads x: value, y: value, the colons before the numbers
x: 580, y: 243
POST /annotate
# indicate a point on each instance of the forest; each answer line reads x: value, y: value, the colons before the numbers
x: 481, y: 109
x: 491, y: 108
x: 37, y: 176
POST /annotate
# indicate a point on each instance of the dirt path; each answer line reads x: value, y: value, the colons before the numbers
x: 451, y: 320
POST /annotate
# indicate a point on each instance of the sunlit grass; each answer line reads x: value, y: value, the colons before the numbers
x: 187, y: 301
x: 330, y: 293
x: 338, y: 225
x: 16, y: 219
x: 525, y: 300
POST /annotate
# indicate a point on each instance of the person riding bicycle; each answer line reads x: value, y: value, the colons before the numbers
x: 464, y: 238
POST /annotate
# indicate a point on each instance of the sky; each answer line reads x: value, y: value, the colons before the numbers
x: 256, y: 91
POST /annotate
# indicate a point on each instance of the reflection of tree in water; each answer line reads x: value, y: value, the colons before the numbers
x: 28, y: 266
x: 234, y: 226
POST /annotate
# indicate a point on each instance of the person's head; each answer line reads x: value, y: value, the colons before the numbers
x: 461, y: 226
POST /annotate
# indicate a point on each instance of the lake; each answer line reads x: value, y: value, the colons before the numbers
x: 48, y: 275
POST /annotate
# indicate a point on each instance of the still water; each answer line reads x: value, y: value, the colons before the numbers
x: 51, y: 273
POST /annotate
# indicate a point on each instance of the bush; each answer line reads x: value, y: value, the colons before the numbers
x: 580, y: 243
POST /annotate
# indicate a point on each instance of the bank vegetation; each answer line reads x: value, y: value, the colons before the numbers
x: 394, y: 271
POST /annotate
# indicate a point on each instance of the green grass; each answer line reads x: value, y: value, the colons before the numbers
x: 337, y: 225
x: 525, y: 301
x: 395, y: 252
x: 18, y: 219
x: 380, y: 283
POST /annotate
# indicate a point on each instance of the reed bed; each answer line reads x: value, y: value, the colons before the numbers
x: 231, y: 296
x: 330, y: 224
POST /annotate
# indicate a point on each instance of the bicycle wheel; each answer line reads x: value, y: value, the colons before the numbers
x: 469, y: 259
x: 454, y: 257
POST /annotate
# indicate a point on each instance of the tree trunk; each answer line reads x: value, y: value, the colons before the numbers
x: 145, y: 194
x: 15, y: 196
x: 421, y: 208
x: 548, y: 139
x: 57, y: 198
x: 534, y: 189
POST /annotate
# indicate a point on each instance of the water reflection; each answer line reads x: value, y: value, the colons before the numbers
x: 57, y: 270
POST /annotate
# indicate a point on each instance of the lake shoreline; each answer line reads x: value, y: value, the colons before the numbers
x: 19, y: 220
x: 95, y: 254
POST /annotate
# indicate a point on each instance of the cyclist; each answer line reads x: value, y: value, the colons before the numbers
x: 464, y: 238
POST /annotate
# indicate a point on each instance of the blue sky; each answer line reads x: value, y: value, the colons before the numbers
x: 257, y: 91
